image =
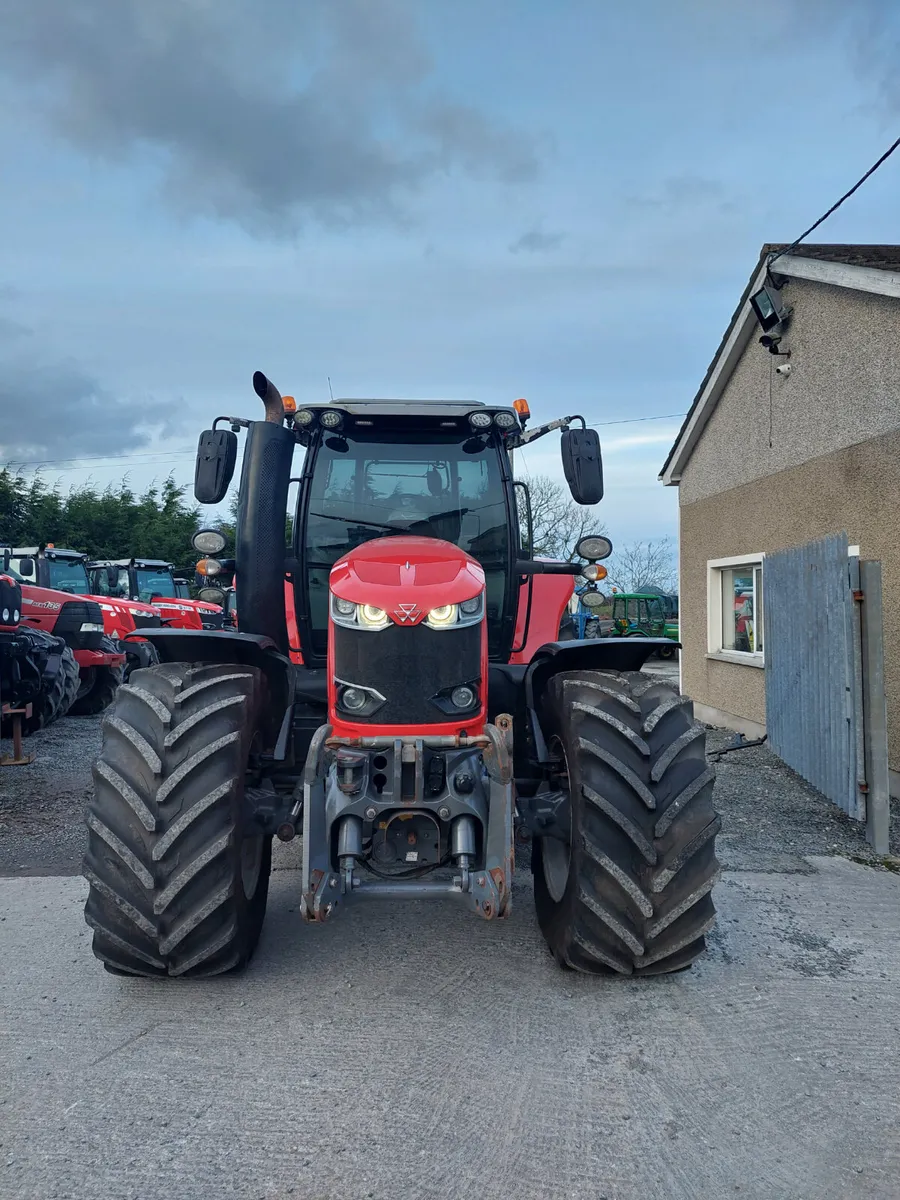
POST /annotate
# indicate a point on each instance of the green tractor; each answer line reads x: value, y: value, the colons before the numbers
x: 644, y: 614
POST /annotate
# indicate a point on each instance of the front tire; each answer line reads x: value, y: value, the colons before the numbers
x: 59, y: 686
x: 630, y: 892
x: 178, y: 883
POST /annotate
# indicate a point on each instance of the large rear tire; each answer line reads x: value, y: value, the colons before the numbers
x: 59, y: 673
x: 101, y: 689
x: 178, y: 883
x: 629, y: 892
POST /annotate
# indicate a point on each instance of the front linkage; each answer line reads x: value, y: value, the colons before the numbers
x: 401, y: 806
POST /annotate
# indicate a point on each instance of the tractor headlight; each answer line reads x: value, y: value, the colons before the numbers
x: 91, y: 627
x: 505, y: 420
x: 303, y: 417
x: 330, y: 418
x: 351, y: 615
x: 442, y: 616
x: 453, y: 616
x: 463, y: 697
x: 208, y: 541
x: 480, y: 420
x: 595, y: 546
x: 371, y: 617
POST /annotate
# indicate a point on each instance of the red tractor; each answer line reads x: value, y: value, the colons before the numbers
x: 150, y: 581
x: 51, y: 566
x: 80, y: 667
x: 435, y: 720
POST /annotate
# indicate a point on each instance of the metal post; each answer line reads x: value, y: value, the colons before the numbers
x: 875, y: 709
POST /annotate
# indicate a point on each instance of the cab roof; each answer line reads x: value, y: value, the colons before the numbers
x: 367, y: 408
x: 132, y: 562
x: 49, y: 551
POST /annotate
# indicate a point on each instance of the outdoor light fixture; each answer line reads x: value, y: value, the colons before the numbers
x: 594, y: 547
x: 768, y: 306
x: 208, y: 541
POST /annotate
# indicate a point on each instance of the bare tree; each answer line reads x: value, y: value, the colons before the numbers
x: 644, y: 566
x: 558, y: 521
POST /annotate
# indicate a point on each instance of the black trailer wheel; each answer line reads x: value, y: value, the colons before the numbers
x: 99, y: 685
x: 629, y: 891
x: 58, y: 669
x: 178, y: 883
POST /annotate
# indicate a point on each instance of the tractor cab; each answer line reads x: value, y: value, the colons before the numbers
x: 388, y: 469
x: 396, y: 692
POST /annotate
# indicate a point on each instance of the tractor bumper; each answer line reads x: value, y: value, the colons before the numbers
x: 380, y: 813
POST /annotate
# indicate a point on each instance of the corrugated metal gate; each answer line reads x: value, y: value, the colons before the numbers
x: 824, y: 676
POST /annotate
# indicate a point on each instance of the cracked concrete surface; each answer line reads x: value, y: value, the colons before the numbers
x: 415, y: 1052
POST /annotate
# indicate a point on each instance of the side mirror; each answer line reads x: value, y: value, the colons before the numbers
x: 216, y: 456
x: 583, y: 465
x: 26, y: 567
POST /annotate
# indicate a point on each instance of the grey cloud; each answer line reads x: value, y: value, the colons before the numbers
x: 685, y: 191
x: 55, y: 410
x: 269, y: 113
x: 536, y: 241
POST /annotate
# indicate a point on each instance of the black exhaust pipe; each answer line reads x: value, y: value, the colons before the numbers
x: 262, y: 507
x: 270, y: 396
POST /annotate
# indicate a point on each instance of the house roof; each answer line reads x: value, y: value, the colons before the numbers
x: 860, y: 267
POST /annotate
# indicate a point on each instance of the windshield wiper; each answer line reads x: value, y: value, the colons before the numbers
x: 355, y: 521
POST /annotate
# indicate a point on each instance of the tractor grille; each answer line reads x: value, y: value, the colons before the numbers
x: 146, y: 620
x: 72, y: 616
x: 408, y: 666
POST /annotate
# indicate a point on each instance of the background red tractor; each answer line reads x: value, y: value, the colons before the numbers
x: 50, y: 566
x: 434, y: 720
x: 150, y: 581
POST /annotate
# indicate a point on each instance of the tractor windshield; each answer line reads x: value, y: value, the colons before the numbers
x: 154, y: 581
x: 428, y: 484
x: 68, y: 575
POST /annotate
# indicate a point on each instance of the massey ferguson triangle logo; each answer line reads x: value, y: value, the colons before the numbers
x: 406, y: 613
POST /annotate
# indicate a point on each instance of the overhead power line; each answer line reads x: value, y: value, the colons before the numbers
x: 846, y: 196
x: 638, y: 420
x: 159, y: 458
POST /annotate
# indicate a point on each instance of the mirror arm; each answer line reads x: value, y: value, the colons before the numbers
x: 235, y: 422
x: 522, y: 439
x: 534, y: 567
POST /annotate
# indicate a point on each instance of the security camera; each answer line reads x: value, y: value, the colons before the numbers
x: 783, y: 369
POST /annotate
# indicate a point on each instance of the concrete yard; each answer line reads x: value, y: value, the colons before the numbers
x: 415, y: 1052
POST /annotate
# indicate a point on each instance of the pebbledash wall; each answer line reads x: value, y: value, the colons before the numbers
x: 784, y: 461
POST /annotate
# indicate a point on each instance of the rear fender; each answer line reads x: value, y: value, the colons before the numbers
x: 247, y: 649
x: 602, y: 654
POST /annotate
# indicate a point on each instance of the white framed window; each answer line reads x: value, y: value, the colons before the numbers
x: 735, y: 609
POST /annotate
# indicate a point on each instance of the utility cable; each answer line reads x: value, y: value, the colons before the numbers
x: 846, y: 196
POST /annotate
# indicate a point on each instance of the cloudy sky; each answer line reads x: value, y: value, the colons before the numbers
x: 416, y: 198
